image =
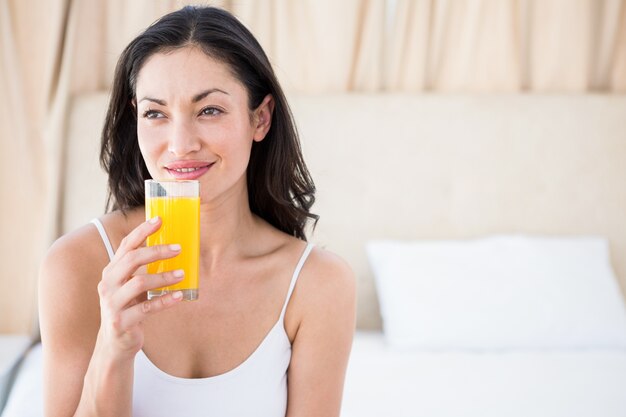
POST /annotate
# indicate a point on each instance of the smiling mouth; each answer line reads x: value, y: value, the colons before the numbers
x: 186, y: 170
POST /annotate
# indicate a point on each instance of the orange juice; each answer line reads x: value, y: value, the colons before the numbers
x: 180, y: 218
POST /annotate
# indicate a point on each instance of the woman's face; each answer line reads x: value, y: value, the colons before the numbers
x: 193, y: 121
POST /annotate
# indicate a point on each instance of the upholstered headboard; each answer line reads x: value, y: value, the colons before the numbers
x: 430, y: 166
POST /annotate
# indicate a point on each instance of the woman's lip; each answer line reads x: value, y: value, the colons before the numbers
x: 187, y: 164
x: 188, y: 172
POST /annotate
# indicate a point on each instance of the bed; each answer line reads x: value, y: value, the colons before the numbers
x: 384, y: 382
x: 488, y: 237
x: 498, y: 326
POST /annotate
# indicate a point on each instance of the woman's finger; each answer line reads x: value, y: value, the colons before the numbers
x: 118, y: 272
x: 138, y: 236
x: 135, y: 314
x: 140, y: 284
x: 112, y: 275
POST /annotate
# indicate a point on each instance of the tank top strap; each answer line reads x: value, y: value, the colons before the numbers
x: 104, y: 236
x: 294, y: 278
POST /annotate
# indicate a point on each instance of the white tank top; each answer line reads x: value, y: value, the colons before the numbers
x: 255, y: 388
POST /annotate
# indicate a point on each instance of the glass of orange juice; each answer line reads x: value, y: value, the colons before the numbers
x: 178, y: 205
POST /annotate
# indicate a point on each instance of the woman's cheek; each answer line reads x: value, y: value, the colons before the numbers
x: 150, y: 137
x: 149, y: 148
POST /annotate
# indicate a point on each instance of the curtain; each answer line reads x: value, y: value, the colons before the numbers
x: 55, y: 50
x: 319, y: 46
x: 507, y: 46
x: 23, y: 107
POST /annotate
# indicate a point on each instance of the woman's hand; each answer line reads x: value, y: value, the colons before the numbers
x: 124, y: 280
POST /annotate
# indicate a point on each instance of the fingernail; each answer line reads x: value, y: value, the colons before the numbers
x: 154, y: 219
x: 175, y: 247
x: 178, y: 273
x: 177, y: 295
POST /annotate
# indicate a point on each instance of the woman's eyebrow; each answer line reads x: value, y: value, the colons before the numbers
x: 194, y: 99
x: 205, y: 93
x: 155, y: 100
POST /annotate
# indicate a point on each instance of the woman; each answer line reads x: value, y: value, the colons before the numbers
x: 194, y: 97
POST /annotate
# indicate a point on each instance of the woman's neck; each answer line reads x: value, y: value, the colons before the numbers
x: 226, y: 224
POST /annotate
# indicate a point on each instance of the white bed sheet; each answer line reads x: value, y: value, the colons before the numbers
x: 384, y: 382
x: 540, y: 383
x: 26, y: 396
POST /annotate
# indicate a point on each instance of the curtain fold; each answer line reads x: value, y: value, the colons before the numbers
x: 27, y: 38
x: 317, y: 51
x: 407, y: 46
x: 617, y: 76
x: 606, y: 19
x: 572, y: 46
x: 62, y: 48
x: 366, y: 64
x: 20, y: 185
x: 559, y: 37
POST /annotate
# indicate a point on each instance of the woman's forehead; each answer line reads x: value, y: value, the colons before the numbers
x: 185, y: 71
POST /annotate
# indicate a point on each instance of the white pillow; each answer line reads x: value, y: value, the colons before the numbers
x: 499, y: 292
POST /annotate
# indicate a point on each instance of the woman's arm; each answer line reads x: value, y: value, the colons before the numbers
x: 69, y: 318
x: 326, y: 304
x: 90, y: 322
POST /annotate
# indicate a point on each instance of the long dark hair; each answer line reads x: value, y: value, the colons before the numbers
x: 280, y: 187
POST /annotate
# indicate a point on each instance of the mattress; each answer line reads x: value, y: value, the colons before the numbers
x: 540, y: 383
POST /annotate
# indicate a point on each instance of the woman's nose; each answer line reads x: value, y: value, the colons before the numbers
x: 183, y: 139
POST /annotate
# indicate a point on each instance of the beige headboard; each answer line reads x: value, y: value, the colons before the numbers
x: 432, y: 166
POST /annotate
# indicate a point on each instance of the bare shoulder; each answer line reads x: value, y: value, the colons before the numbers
x: 68, y: 281
x: 326, y: 289
x: 324, y: 270
x: 83, y: 252
x: 79, y: 253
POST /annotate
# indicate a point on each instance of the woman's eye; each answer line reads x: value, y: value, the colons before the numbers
x: 210, y: 111
x: 151, y: 114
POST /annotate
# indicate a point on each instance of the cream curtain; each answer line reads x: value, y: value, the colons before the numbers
x: 319, y: 46
x: 25, y: 65
x: 54, y: 50
x: 510, y: 46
